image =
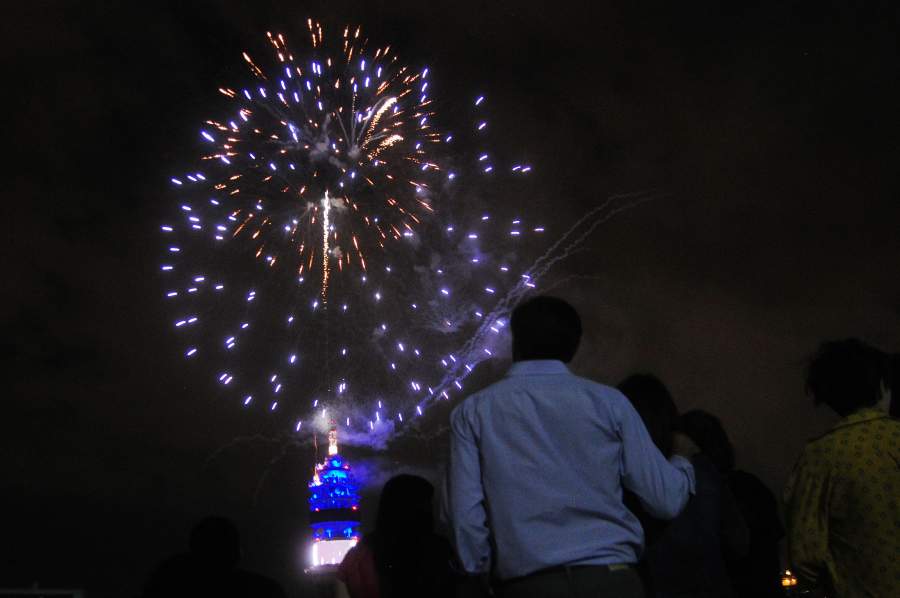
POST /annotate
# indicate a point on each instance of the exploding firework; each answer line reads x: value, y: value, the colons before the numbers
x: 316, y: 265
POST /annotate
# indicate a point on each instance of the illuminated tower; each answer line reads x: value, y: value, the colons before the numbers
x: 333, y: 508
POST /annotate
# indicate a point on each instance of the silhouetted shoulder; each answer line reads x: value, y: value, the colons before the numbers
x: 871, y: 429
x: 257, y: 586
x: 175, y: 576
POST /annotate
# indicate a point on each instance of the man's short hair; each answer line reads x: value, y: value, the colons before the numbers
x: 545, y: 328
x: 846, y: 375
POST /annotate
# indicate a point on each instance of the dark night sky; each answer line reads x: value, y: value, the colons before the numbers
x: 772, y: 126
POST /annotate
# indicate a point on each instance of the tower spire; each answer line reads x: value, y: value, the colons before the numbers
x: 332, y: 440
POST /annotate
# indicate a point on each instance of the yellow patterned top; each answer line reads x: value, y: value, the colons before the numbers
x: 843, y: 508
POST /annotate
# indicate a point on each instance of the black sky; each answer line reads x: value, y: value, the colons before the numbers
x: 773, y: 126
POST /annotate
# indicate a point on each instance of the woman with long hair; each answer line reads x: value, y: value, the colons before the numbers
x: 403, y: 557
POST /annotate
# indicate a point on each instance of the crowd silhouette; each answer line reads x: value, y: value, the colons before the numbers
x: 685, y: 556
x: 557, y: 486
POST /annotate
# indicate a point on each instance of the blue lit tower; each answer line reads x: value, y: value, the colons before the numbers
x: 333, y: 508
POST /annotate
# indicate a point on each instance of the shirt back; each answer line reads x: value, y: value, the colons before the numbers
x: 843, y: 509
x: 553, y: 452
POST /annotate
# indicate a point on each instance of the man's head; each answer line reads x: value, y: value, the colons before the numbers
x: 215, y: 542
x: 405, y: 506
x: 847, y: 375
x: 545, y: 328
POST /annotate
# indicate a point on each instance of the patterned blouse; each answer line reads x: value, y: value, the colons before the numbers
x: 843, y: 508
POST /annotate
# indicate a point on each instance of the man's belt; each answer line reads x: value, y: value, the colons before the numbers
x: 568, y: 569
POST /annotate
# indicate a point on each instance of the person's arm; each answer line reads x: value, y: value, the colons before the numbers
x: 663, y: 487
x: 464, y: 496
x: 806, y: 502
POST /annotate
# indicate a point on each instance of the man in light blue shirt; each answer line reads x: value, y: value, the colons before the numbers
x: 538, y: 464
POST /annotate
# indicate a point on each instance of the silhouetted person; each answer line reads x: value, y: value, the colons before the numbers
x: 684, y: 557
x: 756, y: 572
x: 403, y: 557
x: 653, y: 402
x: 843, y: 517
x: 537, y: 467
x: 210, y: 568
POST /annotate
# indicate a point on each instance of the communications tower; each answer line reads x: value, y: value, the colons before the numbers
x: 333, y: 508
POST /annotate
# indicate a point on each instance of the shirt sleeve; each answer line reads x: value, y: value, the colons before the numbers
x: 464, y: 498
x: 663, y: 487
x: 806, y: 501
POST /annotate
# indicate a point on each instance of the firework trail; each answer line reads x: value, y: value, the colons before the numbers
x: 476, y: 348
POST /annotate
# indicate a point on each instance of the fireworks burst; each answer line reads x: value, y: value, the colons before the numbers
x: 330, y: 156
x: 314, y: 267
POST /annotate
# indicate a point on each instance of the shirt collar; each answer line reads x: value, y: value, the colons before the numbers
x: 861, y: 415
x: 537, y: 367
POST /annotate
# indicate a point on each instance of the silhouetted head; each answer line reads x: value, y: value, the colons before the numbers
x: 545, y: 328
x: 215, y: 542
x: 652, y: 401
x: 405, y: 507
x: 847, y: 375
x: 707, y: 432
